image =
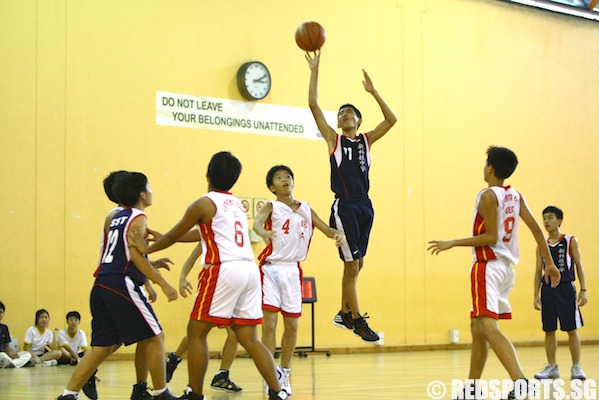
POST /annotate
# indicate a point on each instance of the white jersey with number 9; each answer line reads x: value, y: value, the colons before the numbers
x: 508, y: 216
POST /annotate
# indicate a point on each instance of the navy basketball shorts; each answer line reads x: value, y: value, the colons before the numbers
x: 121, y: 312
x: 560, y: 304
x: 354, y: 218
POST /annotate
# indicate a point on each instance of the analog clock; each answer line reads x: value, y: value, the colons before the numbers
x: 253, y: 80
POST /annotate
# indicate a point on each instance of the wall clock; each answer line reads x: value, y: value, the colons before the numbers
x: 253, y: 80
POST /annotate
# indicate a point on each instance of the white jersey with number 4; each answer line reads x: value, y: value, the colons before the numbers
x: 508, y: 216
x: 293, y: 233
x: 225, y: 237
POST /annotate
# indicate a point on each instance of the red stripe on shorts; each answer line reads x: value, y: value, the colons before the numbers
x: 206, y: 288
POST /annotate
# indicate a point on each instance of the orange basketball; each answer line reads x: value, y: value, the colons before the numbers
x: 310, y: 36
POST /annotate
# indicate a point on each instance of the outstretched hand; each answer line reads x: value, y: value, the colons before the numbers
x: 313, y: 60
x: 153, y: 235
x: 437, y: 246
x: 185, y: 287
x: 367, y: 82
x: 162, y: 263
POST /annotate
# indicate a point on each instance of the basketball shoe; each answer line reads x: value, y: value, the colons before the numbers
x: 89, y: 387
x: 221, y: 381
x: 283, y: 378
x: 362, y: 329
x: 549, y: 372
x: 344, y: 320
x: 577, y: 373
x: 172, y: 362
x: 140, y: 391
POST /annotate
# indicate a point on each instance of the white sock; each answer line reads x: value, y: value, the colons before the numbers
x: 68, y: 392
x: 159, y: 392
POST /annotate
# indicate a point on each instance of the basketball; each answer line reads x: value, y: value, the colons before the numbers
x: 310, y: 36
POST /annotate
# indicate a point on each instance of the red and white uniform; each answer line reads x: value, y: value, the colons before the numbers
x: 229, y: 285
x: 280, y: 260
x: 492, y: 277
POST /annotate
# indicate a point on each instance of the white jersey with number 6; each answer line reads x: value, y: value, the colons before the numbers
x: 225, y: 237
x: 508, y: 216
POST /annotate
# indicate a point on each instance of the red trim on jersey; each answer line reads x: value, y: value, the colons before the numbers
x: 126, y: 241
x: 268, y: 249
x: 337, y: 140
x: 557, y: 241
x: 212, y: 253
x: 570, y: 247
x: 206, y: 288
x: 483, y: 253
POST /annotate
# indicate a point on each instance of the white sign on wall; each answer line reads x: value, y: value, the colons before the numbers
x: 184, y: 110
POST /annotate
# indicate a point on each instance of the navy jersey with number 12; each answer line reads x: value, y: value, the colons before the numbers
x: 117, y: 258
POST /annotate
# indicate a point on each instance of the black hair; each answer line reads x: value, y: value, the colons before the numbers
x: 2, y: 306
x: 73, y: 314
x: 503, y: 161
x: 108, y: 182
x: 39, y: 313
x: 128, y: 186
x: 271, y: 173
x: 555, y: 210
x: 358, y: 113
x: 223, y: 170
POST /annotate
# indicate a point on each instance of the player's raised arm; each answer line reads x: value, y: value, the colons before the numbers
x: 329, y: 134
x: 551, y: 271
x: 390, y: 118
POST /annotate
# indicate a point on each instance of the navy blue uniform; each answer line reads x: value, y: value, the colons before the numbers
x: 560, y: 302
x: 4, y: 336
x: 352, y: 211
x: 121, y: 312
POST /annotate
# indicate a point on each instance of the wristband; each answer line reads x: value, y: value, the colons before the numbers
x: 583, y: 290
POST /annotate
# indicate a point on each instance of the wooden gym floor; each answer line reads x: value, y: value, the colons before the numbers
x: 401, y: 375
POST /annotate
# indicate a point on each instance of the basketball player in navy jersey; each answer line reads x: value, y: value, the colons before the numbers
x: 560, y: 303
x: 229, y: 290
x: 495, y: 246
x: 140, y: 389
x: 120, y: 310
x: 352, y: 211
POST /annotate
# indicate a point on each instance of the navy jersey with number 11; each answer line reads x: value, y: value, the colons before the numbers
x: 350, y: 163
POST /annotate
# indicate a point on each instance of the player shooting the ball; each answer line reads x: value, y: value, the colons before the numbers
x: 352, y: 211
